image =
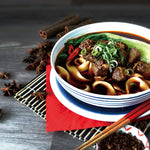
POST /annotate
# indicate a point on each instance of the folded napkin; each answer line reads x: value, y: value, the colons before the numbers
x: 60, y: 118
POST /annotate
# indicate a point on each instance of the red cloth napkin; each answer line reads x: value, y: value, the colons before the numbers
x: 60, y: 118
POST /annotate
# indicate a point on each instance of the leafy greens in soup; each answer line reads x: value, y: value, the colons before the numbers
x: 105, y: 63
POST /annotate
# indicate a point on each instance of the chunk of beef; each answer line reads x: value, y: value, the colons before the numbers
x: 99, y: 67
x: 90, y: 57
x: 118, y: 74
x: 147, y: 72
x: 100, y: 70
x: 121, y: 45
x: 100, y: 62
x: 134, y: 55
x: 123, y: 48
x: 88, y: 44
x: 142, y: 68
x: 103, y: 41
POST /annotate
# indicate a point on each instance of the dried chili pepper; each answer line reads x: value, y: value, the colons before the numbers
x: 73, y: 54
x: 71, y: 49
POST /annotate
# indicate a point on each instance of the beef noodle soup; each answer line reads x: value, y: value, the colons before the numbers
x: 106, y: 63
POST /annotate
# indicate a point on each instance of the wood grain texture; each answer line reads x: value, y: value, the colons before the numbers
x: 69, y: 143
x: 20, y: 128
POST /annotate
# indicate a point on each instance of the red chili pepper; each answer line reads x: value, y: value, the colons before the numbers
x: 74, y: 54
x: 71, y: 49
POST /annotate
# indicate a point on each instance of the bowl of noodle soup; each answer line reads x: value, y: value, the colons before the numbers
x: 99, y: 64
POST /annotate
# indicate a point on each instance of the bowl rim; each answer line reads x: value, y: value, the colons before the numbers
x: 68, y: 36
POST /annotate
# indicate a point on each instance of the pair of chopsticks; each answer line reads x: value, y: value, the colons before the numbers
x: 138, y: 111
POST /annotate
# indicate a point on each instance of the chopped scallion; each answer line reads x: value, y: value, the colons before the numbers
x: 96, y: 52
x: 84, y: 51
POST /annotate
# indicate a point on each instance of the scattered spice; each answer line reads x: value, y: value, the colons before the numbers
x: 33, y: 51
x: 40, y: 95
x: 38, y: 56
x: 142, y: 124
x: 121, y: 141
x: 32, y: 66
x: 11, y: 89
x: 29, y: 59
x: 4, y: 75
x: 37, y: 59
x: 41, y: 67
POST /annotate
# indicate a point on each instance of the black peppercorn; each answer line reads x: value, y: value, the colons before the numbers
x: 121, y: 141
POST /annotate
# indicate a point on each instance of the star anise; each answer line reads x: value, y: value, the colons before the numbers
x: 32, y: 66
x: 38, y: 57
x: 4, y: 75
x: 29, y: 59
x: 11, y: 89
x: 46, y: 45
x: 40, y: 95
x: 33, y: 51
x: 41, y: 67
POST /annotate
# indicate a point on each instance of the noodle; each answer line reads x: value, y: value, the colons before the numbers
x: 102, y: 66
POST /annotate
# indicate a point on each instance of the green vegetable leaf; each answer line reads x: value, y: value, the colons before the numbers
x: 92, y: 36
x: 61, y: 58
x: 143, y: 47
x: 122, y: 58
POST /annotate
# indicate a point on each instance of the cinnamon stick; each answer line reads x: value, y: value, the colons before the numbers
x: 59, y: 35
x: 59, y: 26
x: 69, y: 28
x: 42, y: 33
x: 60, y: 21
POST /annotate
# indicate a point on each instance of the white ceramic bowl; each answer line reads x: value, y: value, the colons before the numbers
x: 98, y: 99
x: 134, y: 132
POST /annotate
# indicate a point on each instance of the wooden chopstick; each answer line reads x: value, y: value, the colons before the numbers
x: 138, y: 111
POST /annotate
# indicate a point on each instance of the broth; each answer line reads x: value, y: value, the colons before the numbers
x: 96, y: 60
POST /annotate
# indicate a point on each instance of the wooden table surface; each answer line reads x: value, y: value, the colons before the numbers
x: 20, y: 22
